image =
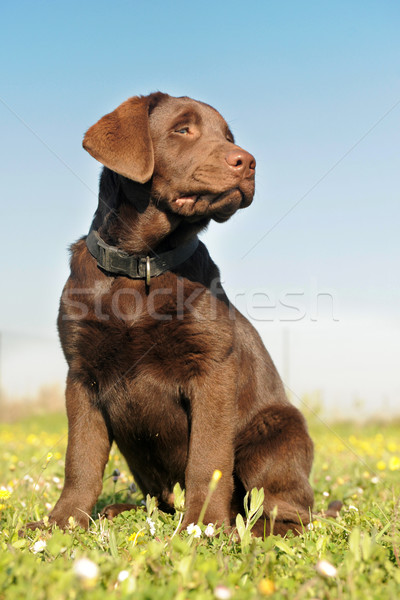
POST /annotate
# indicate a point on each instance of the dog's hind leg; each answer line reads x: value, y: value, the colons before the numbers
x: 112, y: 510
x: 275, y: 452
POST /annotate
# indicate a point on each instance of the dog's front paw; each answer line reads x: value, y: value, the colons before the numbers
x: 57, y: 520
x: 31, y: 527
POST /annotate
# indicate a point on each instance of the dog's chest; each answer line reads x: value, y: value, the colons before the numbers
x: 118, y: 333
x: 111, y: 352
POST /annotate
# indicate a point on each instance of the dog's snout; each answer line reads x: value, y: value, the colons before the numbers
x: 241, y: 161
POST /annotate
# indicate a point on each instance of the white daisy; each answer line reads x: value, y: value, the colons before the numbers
x: 222, y: 592
x: 39, y: 546
x: 326, y: 569
x: 152, y: 525
x: 86, y: 570
x: 195, y: 529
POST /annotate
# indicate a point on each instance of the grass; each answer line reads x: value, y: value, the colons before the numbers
x: 141, y: 556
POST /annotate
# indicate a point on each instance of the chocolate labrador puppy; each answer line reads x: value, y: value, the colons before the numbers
x: 159, y: 360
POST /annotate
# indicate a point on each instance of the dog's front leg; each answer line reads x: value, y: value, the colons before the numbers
x: 89, y: 444
x: 212, y: 408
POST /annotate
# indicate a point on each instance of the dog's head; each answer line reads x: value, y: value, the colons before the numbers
x: 182, y: 149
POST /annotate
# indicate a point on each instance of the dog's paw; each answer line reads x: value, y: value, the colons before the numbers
x: 334, y: 508
x: 31, y: 527
x: 112, y: 510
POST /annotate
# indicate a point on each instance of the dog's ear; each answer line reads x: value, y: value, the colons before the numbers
x: 121, y: 140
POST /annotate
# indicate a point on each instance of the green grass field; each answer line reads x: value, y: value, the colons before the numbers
x: 134, y: 557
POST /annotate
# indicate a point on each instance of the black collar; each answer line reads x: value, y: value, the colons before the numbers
x: 117, y: 261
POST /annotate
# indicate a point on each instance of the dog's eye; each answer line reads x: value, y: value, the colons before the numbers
x: 182, y: 130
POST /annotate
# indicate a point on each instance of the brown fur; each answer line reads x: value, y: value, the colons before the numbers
x: 173, y: 373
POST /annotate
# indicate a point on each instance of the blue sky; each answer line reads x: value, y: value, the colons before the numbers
x: 312, y: 89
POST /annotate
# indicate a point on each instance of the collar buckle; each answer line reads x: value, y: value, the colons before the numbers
x: 148, y: 271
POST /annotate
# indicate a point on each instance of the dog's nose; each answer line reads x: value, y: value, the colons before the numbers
x: 241, y: 161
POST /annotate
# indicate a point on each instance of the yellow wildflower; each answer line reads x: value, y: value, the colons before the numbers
x: 266, y: 587
x: 394, y: 463
x: 216, y: 475
x: 4, y: 494
x: 134, y: 537
x: 381, y: 465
